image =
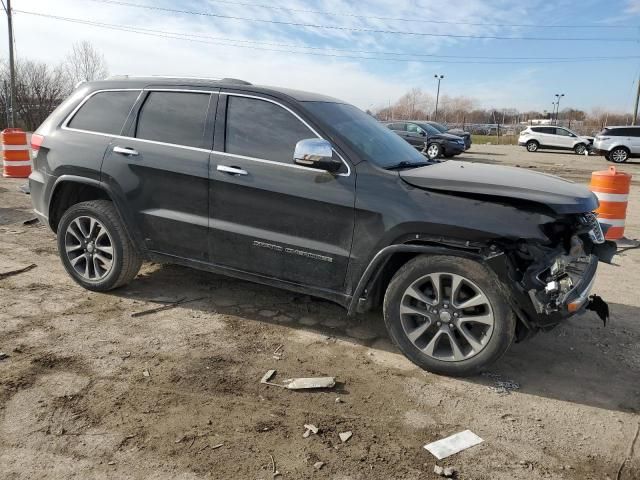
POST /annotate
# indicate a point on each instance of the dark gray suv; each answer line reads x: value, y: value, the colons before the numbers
x: 308, y: 193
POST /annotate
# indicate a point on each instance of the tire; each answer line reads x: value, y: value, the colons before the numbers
x: 482, y: 339
x: 95, y: 248
x: 619, y: 155
x: 434, y: 150
x: 580, y: 148
x: 532, y: 146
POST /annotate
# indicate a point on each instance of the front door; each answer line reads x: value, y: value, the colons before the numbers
x: 161, y: 167
x: 269, y: 216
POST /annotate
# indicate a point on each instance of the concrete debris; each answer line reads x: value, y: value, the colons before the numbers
x: 339, y: 400
x: 453, y: 444
x: 344, y: 436
x: 447, y: 472
x: 310, y: 383
x: 318, y: 465
x: 146, y: 373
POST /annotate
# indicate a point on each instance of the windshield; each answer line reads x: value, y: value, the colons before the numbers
x: 373, y: 142
x: 430, y: 129
x: 439, y: 127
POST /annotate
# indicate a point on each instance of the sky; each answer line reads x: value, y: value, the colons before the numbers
x: 405, y: 42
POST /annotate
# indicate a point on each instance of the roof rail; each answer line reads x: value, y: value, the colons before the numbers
x: 182, y: 77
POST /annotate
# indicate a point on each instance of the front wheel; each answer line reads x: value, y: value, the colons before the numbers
x: 94, y: 247
x: 532, y: 146
x: 448, y: 314
x: 434, y: 151
x: 580, y: 149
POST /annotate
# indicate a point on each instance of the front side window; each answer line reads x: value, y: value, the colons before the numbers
x: 369, y: 139
x: 105, y: 112
x: 413, y: 128
x: 563, y: 132
x: 261, y: 129
x: 174, y: 117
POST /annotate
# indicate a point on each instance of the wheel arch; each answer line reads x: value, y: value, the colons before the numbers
x: 70, y: 190
x: 372, y: 284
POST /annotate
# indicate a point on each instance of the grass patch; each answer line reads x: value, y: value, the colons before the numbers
x: 502, y: 140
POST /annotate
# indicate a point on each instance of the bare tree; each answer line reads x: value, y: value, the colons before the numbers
x: 85, y: 63
x: 40, y: 88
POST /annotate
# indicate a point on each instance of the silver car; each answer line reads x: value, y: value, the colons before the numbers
x: 618, y: 144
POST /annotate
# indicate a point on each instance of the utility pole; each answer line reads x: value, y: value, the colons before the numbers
x: 635, y: 110
x: 12, y: 73
x: 558, y: 97
x: 439, y: 77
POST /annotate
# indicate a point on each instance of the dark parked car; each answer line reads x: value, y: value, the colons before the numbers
x: 427, y: 139
x: 308, y: 193
x: 466, y: 136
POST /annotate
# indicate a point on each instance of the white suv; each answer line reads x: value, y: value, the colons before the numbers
x: 556, y: 138
x: 618, y: 144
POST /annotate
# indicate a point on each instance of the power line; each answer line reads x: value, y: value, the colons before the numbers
x: 235, y: 43
x: 392, y: 19
x: 368, y: 30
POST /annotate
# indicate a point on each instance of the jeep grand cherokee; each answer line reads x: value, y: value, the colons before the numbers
x: 308, y: 193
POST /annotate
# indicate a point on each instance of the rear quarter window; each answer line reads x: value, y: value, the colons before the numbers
x: 105, y: 112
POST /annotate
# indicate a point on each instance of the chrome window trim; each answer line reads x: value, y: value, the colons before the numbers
x: 219, y: 152
x: 348, y: 173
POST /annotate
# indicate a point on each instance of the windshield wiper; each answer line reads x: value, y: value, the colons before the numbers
x: 406, y: 164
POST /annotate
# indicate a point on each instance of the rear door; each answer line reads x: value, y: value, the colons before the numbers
x: 160, y: 167
x: 269, y: 216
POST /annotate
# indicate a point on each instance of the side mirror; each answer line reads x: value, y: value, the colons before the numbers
x: 315, y: 153
x: 423, y: 133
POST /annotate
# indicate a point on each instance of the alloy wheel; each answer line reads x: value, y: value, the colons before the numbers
x: 447, y: 316
x: 532, y: 146
x: 619, y: 155
x: 580, y: 149
x: 433, y: 151
x: 89, y: 248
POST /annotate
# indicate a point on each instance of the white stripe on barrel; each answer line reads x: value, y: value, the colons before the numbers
x: 612, y: 197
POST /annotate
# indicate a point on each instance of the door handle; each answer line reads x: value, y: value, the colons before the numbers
x: 125, y: 151
x: 231, y: 170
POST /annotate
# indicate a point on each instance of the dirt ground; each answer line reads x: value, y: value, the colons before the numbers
x: 88, y: 391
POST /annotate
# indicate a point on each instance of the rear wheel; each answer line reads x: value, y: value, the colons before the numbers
x: 580, y: 148
x: 448, y: 314
x: 434, y: 151
x: 619, y: 155
x: 94, y: 247
x: 532, y: 146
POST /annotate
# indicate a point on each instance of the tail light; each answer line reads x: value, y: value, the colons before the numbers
x: 36, y: 142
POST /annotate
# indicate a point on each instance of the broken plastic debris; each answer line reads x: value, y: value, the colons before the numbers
x: 304, y: 383
x: 267, y: 376
x: 309, y: 429
x: 453, y: 444
x: 344, y: 436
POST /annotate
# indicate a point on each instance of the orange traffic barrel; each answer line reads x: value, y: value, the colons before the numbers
x: 16, y: 156
x: 612, y: 189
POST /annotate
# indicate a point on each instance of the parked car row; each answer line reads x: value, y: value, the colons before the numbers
x: 431, y: 140
x: 617, y: 143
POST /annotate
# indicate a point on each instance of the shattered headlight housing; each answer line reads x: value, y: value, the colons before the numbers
x: 590, y: 220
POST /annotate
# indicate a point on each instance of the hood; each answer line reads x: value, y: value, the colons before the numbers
x: 447, y: 136
x: 459, y: 132
x: 562, y: 196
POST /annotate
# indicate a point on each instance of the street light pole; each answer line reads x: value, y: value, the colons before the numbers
x: 439, y: 78
x: 558, y: 97
x: 12, y: 81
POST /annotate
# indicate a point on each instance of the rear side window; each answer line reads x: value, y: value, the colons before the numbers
x: 261, y: 129
x: 105, y: 112
x: 398, y: 127
x: 174, y: 117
